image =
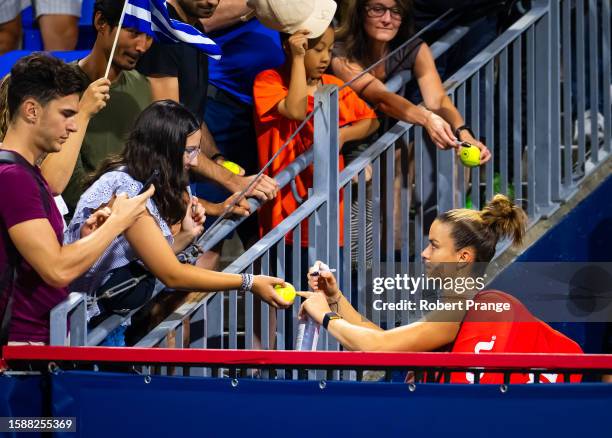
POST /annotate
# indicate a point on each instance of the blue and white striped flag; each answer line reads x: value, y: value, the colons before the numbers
x: 152, y: 18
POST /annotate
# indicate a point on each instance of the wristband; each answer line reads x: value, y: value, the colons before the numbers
x: 463, y: 128
x: 329, y: 316
x: 247, y: 282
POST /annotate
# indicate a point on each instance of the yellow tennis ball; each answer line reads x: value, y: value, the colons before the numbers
x: 470, y: 156
x: 231, y: 166
x: 287, y: 293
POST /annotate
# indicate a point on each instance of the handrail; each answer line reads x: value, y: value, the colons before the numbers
x: 14, y: 356
x: 493, y: 49
x: 171, y: 323
x: 373, y: 151
x: 264, y: 244
x: 227, y: 225
x: 397, y: 81
x: 59, y: 317
x: 102, y: 330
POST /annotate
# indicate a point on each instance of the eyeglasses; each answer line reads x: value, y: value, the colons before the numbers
x: 377, y: 10
x: 192, y: 151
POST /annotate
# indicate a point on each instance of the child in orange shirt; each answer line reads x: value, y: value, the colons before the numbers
x: 283, y: 98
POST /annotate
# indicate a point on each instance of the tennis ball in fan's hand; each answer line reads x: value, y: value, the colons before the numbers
x: 287, y: 293
x: 470, y: 156
x: 231, y: 166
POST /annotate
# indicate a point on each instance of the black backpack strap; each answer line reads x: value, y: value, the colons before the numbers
x: 10, y: 157
x: 9, y: 278
x: 9, y: 281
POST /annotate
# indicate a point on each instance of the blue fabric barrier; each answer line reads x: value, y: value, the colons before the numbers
x: 113, y: 405
x: 7, y: 60
x: 21, y: 396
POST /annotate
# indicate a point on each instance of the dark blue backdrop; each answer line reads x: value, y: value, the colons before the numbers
x: 112, y: 406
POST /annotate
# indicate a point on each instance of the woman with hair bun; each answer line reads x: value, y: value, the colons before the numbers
x: 461, y: 243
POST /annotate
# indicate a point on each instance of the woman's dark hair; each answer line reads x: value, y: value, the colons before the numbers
x: 482, y: 229
x: 352, y: 32
x: 157, y: 141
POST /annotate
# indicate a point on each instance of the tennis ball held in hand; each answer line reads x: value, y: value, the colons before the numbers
x: 231, y: 166
x: 469, y: 155
x: 287, y: 293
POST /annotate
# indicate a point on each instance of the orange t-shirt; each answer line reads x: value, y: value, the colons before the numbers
x: 273, y: 130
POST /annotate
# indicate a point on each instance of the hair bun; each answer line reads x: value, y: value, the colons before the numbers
x: 500, y: 206
x: 505, y: 219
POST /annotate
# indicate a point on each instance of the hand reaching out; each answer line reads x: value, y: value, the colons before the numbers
x: 263, y: 287
x: 440, y: 131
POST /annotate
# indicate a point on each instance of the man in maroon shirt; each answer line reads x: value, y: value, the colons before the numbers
x: 35, y: 268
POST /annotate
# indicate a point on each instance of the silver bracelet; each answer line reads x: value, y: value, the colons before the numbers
x: 247, y: 282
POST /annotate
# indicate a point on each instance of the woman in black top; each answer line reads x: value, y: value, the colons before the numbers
x: 370, y: 30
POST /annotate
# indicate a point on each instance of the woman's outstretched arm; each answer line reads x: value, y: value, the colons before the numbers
x: 146, y: 239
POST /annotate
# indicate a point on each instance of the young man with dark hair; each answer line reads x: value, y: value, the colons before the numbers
x: 43, y: 98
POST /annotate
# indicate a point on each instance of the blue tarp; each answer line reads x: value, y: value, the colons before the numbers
x: 112, y: 405
x: 21, y: 396
x: 7, y: 60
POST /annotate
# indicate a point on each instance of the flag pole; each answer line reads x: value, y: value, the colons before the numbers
x: 112, y: 53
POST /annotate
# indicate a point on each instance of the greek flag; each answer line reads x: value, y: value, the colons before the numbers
x: 151, y: 17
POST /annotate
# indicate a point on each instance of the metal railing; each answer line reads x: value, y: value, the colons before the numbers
x: 519, y: 97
